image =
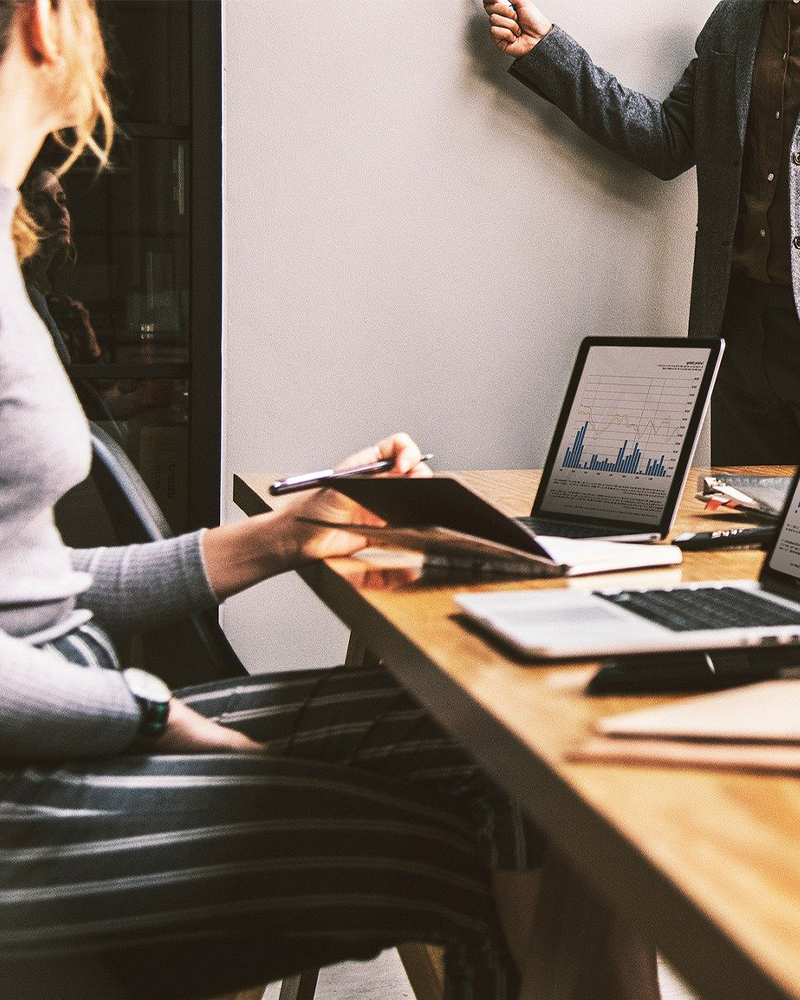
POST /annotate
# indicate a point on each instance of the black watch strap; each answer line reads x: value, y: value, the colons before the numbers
x: 153, y: 697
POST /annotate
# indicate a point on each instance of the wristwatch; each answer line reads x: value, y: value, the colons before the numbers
x: 153, y: 697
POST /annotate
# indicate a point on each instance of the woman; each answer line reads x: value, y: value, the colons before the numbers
x: 69, y: 320
x: 193, y: 843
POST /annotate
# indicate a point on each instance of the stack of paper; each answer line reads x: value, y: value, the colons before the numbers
x: 754, y: 728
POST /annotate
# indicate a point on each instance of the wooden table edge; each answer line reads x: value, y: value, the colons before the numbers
x: 711, y: 963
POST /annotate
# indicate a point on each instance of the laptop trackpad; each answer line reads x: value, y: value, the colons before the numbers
x: 554, y: 610
x: 585, y: 614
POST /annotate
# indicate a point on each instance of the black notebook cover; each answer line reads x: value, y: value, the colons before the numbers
x: 417, y: 502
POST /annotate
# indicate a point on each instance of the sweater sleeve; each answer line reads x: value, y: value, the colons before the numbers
x: 656, y: 135
x: 50, y: 708
x: 145, y: 586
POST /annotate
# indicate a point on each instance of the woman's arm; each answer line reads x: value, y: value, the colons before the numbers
x: 147, y: 585
x: 237, y: 556
x: 50, y: 708
x: 143, y: 586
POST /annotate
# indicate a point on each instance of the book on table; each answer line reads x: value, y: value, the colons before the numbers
x: 455, y: 528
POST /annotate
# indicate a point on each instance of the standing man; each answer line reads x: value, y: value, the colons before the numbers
x: 733, y: 114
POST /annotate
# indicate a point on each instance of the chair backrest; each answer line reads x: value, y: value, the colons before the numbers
x: 131, y: 506
x: 189, y: 652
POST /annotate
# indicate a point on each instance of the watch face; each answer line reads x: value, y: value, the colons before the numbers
x: 146, y: 686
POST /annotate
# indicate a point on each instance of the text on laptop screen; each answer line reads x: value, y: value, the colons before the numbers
x: 625, y: 432
x: 785, y: 556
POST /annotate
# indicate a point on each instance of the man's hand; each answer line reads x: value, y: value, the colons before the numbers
x: 330, y: 505
x: 189, y: 732
x: 518, y: 29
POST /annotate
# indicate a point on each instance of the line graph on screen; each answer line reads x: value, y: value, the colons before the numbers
x: 630, y: 424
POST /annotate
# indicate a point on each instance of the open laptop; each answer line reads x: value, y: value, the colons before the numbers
x: 717, y: 615
x: 617, y: 463
x: 625, y: 438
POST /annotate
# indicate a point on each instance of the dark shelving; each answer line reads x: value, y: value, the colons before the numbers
x: 147, y: 272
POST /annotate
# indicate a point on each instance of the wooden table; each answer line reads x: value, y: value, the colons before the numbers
x: 706, y: 864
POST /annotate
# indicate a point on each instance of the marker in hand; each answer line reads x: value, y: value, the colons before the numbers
x: 309, y: 480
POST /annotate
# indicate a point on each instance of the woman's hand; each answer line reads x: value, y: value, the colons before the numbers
x: 189, y: 732
x: 329, y: 505
x: 238, y: 555
x: 518, y: 29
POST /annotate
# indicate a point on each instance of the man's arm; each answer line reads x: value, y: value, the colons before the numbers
x: 656, y: 135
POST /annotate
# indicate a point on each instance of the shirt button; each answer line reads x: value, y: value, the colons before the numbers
x: 771, y: 177
x: 796, y: 242
x: 777, y: 114
x: 764, y: 233
x: 796, y: 159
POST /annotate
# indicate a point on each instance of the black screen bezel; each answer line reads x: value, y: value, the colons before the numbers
x: 662, y: 526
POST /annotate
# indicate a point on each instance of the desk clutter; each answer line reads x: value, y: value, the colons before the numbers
x: 761, y: 496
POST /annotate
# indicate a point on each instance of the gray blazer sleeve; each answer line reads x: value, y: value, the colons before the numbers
x: 50, y: 708
x: 657, y: 135
x: 144, y: 586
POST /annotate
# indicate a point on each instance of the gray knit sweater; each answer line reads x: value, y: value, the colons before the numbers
x: 48, y: 707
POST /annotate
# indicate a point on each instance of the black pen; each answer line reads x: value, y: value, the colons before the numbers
x: 730, y: 538
x: 308, y: 480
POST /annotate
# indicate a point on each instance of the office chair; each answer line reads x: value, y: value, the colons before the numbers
x: 188, y: 652
x: 197, y: 650
x: 191, y: 651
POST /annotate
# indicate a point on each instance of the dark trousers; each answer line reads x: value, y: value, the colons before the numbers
x: 180, y: 877
x: 755, y: 409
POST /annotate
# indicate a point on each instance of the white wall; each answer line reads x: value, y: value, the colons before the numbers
x: 415, y: 241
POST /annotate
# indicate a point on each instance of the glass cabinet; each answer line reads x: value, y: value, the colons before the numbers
x: 137, y: 299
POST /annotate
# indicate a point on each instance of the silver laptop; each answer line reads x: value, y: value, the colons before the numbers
x: 625, y: 438
x: 718, y: 615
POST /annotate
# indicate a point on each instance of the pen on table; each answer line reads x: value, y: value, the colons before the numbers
x: 308, y: 480
x: 730, y: 538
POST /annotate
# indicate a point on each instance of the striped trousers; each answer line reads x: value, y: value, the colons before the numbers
x: 366, y: 826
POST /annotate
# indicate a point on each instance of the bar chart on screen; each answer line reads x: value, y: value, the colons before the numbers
x: 626, y: 463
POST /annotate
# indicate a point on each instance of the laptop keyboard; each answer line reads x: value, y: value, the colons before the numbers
x: 565, y: 529
x: 692, y: 610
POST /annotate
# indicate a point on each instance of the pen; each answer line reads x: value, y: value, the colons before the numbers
x: 308, y: 480
x: 730, y: 538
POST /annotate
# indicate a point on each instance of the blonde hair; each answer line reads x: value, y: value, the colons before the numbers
x: 85, y: 92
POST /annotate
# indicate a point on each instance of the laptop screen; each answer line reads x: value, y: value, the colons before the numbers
x: 782, y: 564
x: 627, y: 430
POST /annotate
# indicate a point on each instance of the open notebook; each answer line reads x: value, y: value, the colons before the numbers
x: 446, y: 548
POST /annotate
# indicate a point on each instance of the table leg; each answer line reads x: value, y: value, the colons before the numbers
x: 357, y: 653
x: 423, y: 963
x: 300, y: 987
x: 570, y: 938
